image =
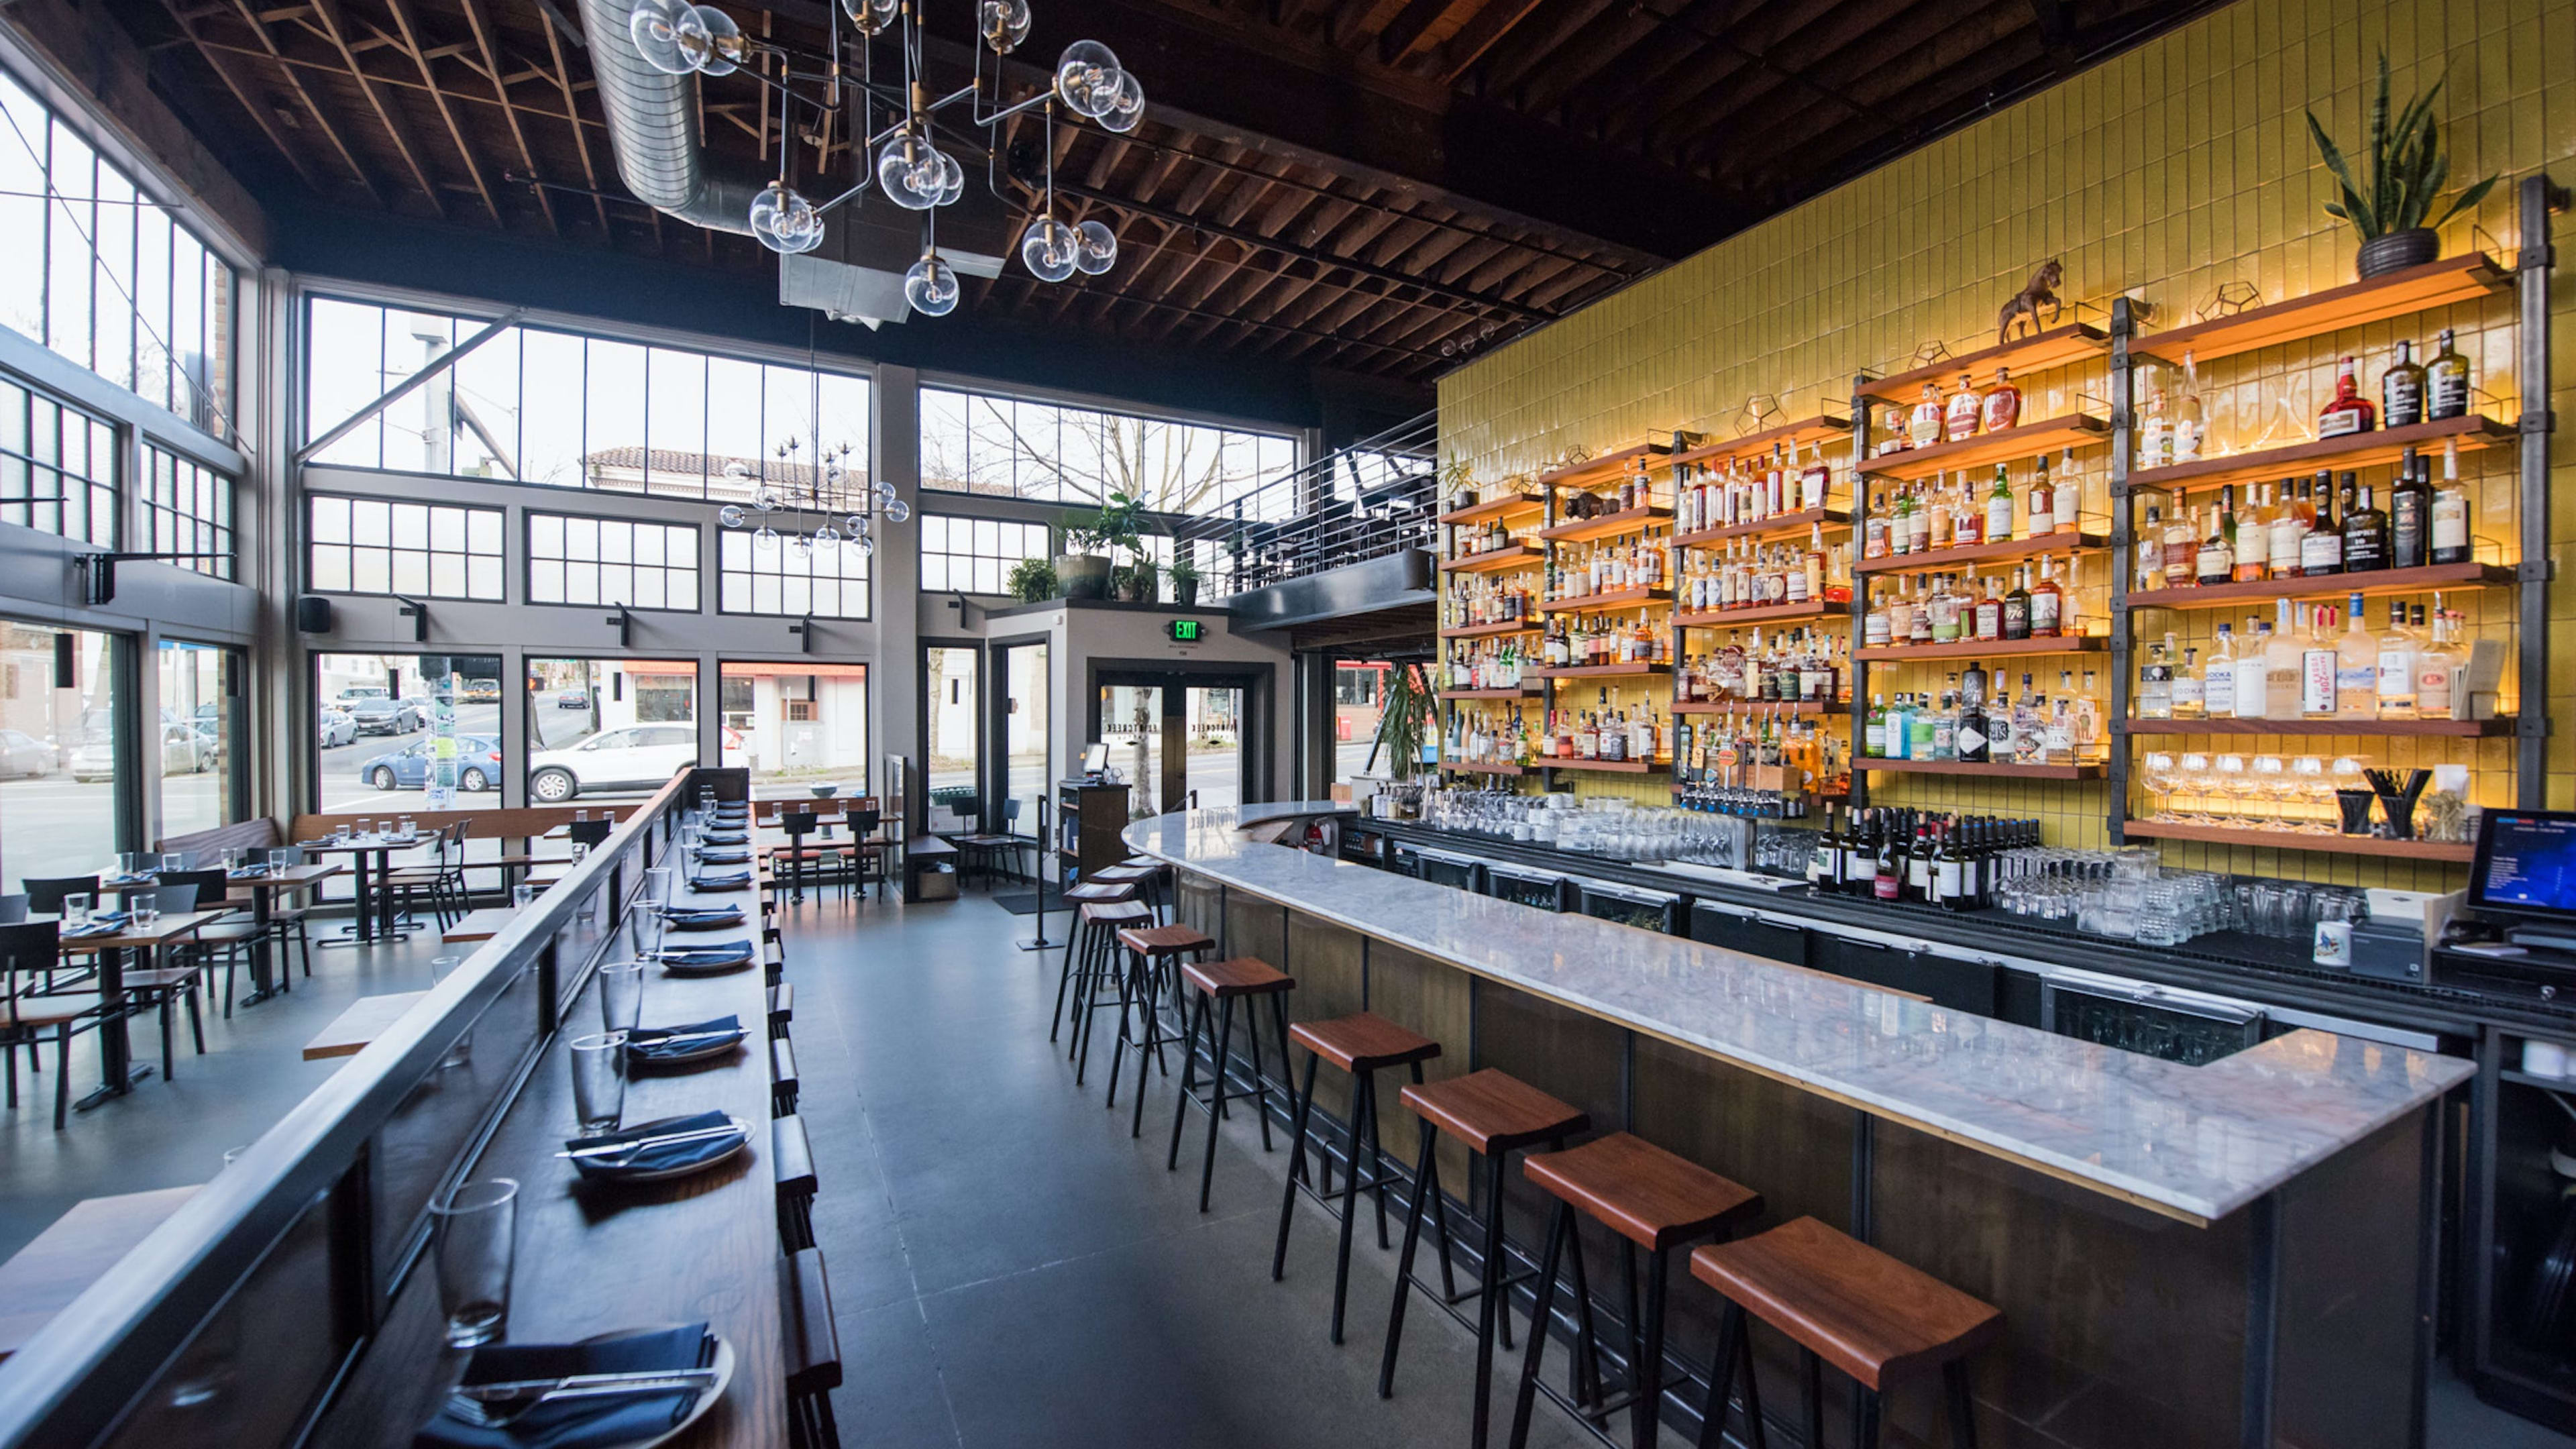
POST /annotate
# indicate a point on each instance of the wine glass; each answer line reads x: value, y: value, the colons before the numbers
x: 2270, y: 777
x: 2194, y: 781
x: 2236, y: 785
x: 2157, y: 778
x: 2314, y: 793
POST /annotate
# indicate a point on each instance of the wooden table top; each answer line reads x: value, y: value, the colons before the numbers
x: 294, y: 877
x: 161, y: 931
x: 480, y: 924
x: 594, y: 1260
x: 361, y: 844
x: 60, y: 1263
x: 366, y: 1018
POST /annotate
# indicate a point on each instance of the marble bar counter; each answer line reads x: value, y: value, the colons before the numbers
x: 2236, y: 1252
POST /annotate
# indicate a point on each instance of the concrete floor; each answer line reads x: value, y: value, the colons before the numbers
x: 1008, y: 1267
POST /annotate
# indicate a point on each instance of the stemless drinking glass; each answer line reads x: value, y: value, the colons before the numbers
x: 76, y: 908
x: 463, y: 1052
x: 478, y: 1240
x: 522, y: 896
x: 657, y: 886
x: 649, y: 926
x: 144, y: 913
x: 599, y: 1080
x: 621, y: 995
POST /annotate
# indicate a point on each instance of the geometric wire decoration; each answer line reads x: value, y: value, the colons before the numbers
x: 825, y: 509
x: 903, y: 158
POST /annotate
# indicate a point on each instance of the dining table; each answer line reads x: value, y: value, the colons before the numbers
x: 115, y: 1049
x: 265, y: 960
x: 371, y: 857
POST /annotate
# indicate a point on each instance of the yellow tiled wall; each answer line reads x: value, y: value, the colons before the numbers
x: 2162, y: 174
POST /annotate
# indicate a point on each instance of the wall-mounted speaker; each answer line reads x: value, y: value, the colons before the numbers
x: 313, y: 614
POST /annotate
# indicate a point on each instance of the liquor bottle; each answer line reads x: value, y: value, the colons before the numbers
x: 2401, y: 389
x: 1874, y: 624
x: 2317, y: 661
x: 2016, y: 606
x: 2437, y: 661
x: 2218, y: 677
x: 1918, y: 865
x: 2446, y: 382
x: 2396, y: 683
x: 1989, y: 612
x: 2356, y: 666
x: 1919, y: 725
x: 2068, y: 485
x: 2028, y: 715
x: 2287, y: 529
x: 2365, y: 536
x: 1945, y: 610
x: 1938, y: 516
x: 1923, y: 428
x: 1999, y: 506
x: 2347, y: 412
x: 1887, y: 871
x: 2151, y: 552
x: 2250, y: 538
x: 2059, y: 733
x: 1816, y: 480
x: 2155, y: 432
x: 2450, y: 520
x: 1874, y: 532
x: 2042, y: 508
x: 2321, y: 552
x: 2217, y: 557
x: 2003, y: 403
x: 2182, y: 548
x: 2047, y: 602
x: 1967, y: 516
x: 1918, y: 524
x: 2156, y: 684
x: 2284, y: 668
x: 1965, y: 411
x: 1945, y: 725
x: 2253, y: 672
x: 2189, y: 691
x: 2190, y: 419
x: 2410, y: 513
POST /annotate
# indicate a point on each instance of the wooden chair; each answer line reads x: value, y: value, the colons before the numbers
x: 440, y: 882
x: 230, y: 938
x: 29, y: 952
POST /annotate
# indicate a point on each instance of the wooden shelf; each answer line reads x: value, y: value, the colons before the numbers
x: 2372, y: 583
x: 1479, y: 767
x: 1612, y: 767
x: 1799, y: 708
x: 2353, y: 450
x: 1817, y: 429
x: 2453, y: 280
x: 2056, y: 347
x: 1518, y: 555
x: 1603, y: 525
x: 1608, y: 465
x: 1487, y: 631
x: 1736, y: 618
x: 1504, y: 507
x: 1615, y: 599
x: 1960, y: 767
x: 2069, y: 544
x: 1522, y: 693
x: 1602, y: 671
x: 2074, y: 430
x: 2468, y: 728
x: 1772, y: 527
x: 1982, y: 649
x: 2291, y: 840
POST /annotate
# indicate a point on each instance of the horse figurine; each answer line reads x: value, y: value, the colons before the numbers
x: 2042, y: 291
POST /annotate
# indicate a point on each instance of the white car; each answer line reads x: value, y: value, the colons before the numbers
x: 337, y: 726
x: 641, y: 756
x: 23, y: 756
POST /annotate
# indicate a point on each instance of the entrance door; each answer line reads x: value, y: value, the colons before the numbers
x: 1171, y: 734
x: 1212, y: 746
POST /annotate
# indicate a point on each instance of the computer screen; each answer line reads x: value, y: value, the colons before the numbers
x: 2526, y: 863
x: 1095, y: 758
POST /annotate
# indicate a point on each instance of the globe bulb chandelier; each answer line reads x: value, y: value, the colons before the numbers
x: 895, y: 129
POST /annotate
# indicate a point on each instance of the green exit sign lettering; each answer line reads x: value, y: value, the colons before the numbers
x: 1185, y: 631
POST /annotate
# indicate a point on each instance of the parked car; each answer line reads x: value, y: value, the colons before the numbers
x: 23, y: 756
x: 356, y: 692
x: 335, y: 726
x: 573, y: 699
x: 643, y: 755
x: 478, y: 764
x: 182, y: 753
x: 380, y: 714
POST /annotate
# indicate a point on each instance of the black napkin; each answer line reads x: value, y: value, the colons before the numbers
x: 724, y: 837
x: 698, y: 958
x: 580, y: 1423
x: 723, y: 856
x: 655, y: 1159
x: 248, y: 872
x: 100, y: 923
x: 730, y: 881
x: 654, y: 1044
x: 687, y: 916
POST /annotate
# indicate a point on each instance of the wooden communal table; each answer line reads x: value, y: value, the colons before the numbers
x: 373, y: 857
x: 115, y: 1049
x: 60, y: 1263
x: 594, y: 1259
x: 366, y: 1018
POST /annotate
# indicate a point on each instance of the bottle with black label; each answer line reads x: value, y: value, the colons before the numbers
x: 2401, y: 389
x: 2365, y: 535
x: 2321, y: 552
x: 2446, y: 382
x: 2410, y: 514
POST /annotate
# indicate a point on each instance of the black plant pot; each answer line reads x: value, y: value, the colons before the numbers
x: 2397, y: 251
x: 1186, y: 592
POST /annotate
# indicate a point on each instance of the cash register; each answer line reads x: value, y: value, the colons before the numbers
x: 2518, y: 932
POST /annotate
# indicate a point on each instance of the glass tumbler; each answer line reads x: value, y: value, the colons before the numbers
x: 621, y: 995
x: 599, y: 1080
x: 478, y: 1238
x: 657, y: 886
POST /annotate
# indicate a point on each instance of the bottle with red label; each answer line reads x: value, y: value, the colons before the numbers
x: 1923, y: 428
x: 2003, y: 402
x: 1966, y: 409
x: 2349, y: 412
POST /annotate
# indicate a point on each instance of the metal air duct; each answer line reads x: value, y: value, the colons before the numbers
x: 653, y: 128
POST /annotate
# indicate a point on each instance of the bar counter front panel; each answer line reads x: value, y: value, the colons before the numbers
x: 2238, y: 1260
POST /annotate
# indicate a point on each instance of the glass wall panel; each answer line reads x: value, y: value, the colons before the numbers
x: 377, y: 546
x: 1014, y: 448
x: 1024, y: 682
x: 187, y: 510
x: 789, y: 577
x: 948, y: 689
x: 202, y: 729
x: 796, y: 725
x: 57, y: 467
x: 577, y: 560
x: 61, y: 708
x: 421, y: 730
x: 976, y: 555
x: 609, y: 728
x: 1359, y: 694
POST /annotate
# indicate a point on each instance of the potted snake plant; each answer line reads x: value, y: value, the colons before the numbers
x: 2393, y: 213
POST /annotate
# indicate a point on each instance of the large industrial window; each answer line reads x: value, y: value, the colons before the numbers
x: 57, y: 466
x: 976, y: 555
x: 576, y: 560
x: 100, y: 273
x: 790, y: 577
x: 202, y: 732
x: 537, y: 405
x: 1004, y: 447
x: 187, y: 513
x: 372, y: 546
x: 609, y: 728
x: 795, y: 726
x: 63, y: 772
x: 403, y: 732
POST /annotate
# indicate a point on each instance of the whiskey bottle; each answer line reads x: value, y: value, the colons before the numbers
x: 2450, y: 526
x: 2217, y: 557
x: 2446, y: 382
x: 2410, y: 513
x: 1923, y: 429
x: 2151, y: 552
x: 2250, y: 539
x: 2046, y: 602
x: 2348, y: 412
x: 2285, y: 532
x: 1966, y: 410
x: 2003, y: 403
x: 1999, y: 505
x: 2401, y: 389
x: 2365, y: 536
x: 2321, y: 551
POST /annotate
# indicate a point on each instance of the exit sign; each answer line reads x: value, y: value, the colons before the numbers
x: 1185, y: 631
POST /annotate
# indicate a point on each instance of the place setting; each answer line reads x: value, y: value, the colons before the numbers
x: 621, y: 1005
x: 653, y: 1151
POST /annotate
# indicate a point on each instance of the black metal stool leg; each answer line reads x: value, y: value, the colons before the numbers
x: 1063, y: 981
x: 1963, y: 1408
x: 1489, y: 1314
x: 1814, y: 1394
x: 1260, y: 1082
x: 1216, y: 1085
x: 1129, y: 982
x: 1865, y: 1432
x: 1560, y: 1226
x: 1425, y: 1181
x: 1304, y: 1105
x: 1189, y: 1072
x: 1363, y: 1107
x: 1492, y: 1263
x: 1154, y: 1044
x: 1721, y: 1378
x: 1649, y: 1366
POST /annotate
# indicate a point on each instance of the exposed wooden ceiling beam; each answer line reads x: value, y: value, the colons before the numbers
x: 312, y: 107
x: 246, y: 92
x: 1480, y: 35
x: 482, y: 27
x: 328, y: 14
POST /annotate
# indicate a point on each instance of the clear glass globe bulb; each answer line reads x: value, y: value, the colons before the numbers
x: 766, y: 539
x: 707, y: 37
x: 766, y: 210
x: 1128, y: 108
x: 1086, y: 78
x: 952, y: 180
x: 1048, y: 249
x: 731, y: 515
x: 827, y: 538
x: 767, y: 501
x: 909, y: 172
x: 897, y: 511
x: 799, y: 547
x: 654, y: 27
x: 884, y: 492
x: 1098, y: 251
x: 857, y: 524
x: 1005, y: 23
x: 931, y: 287
x: 737, y: 469
x: 867, y: 547
x: 871, y: 17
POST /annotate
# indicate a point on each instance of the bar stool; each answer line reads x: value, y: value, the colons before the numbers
x: 1150, y: 952
x: 1223, y: 981
x: 1494, y: 1115
x: 1653, y: 1200
x: 1099, y: 922
x: 1878, y: 1319
x: 1080, y: 945
x: 1144, y: 874
x: 1359, y: 1044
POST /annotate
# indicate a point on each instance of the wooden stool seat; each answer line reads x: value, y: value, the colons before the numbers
x: 1869, y: 1315
x: 1491, y: 1111
x: 1095, y: 891
x: 1166, y: 940
x: 1114, y: 913
x: 1236, y: 976
x: 1641, y: 1192
x: 1144, y: 862
x: 1123, y: 874
x: 1363, y: 1042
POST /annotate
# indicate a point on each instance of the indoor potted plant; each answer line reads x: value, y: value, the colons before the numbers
x: 1135, y: 582
x: 1033, y: 581
x: 2407, y: 171
x: 1084, y: 567
x: 1185, y: 579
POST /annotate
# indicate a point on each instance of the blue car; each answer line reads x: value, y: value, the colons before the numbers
x: 478, y: 764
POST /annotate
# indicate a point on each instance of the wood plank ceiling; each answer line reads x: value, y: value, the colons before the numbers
x: 1375, y: 186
